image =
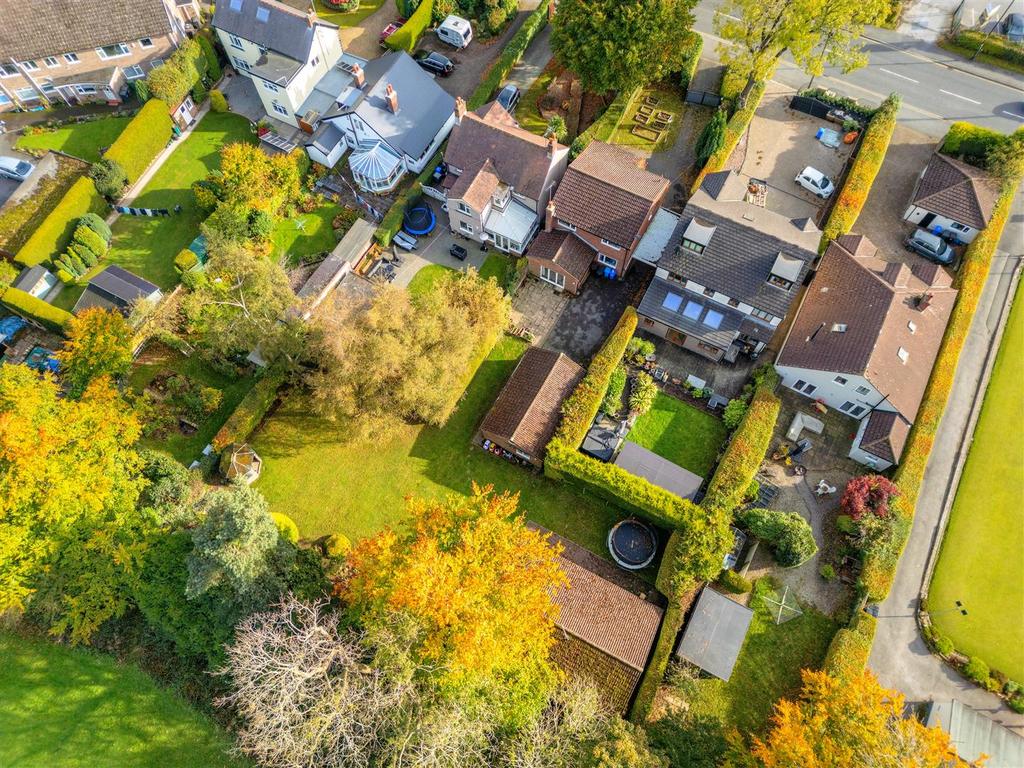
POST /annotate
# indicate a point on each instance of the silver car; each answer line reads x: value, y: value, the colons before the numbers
x: 13, y: 168
x: 932, y: 247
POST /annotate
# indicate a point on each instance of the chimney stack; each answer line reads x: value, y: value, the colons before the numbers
x: 924, y: 301
x: 391, y: 95
x: 460, y: 109
x: 552, y: 143
x: 358, y: 75
x: 549, y: 217
x: 311, y: 18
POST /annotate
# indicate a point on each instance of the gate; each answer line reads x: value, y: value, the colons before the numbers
x: 703, y: 98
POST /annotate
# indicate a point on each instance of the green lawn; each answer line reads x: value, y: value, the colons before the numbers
x: 528, y: 113
x: 82, y: 140
x: 669, y: 100
x: 680, y: 433
x: 306, y: 234
x: 327, y: 483
x: 351, y: 18
x: 426, y: 278
x: 147, y: 246
x: 980, y: 560
x: 76, y: 708
x: 157, y: 358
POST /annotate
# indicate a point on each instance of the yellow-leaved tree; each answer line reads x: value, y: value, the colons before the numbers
x: 70, y: 534
x: 477, y: 585
x: 843, y: 722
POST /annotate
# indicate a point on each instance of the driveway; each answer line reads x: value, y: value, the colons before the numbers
x: 528, y: 68
x: 364, y: 40
x: 433, y: 249
x: 780, y: 143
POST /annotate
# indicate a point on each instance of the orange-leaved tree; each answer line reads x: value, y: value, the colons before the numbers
x: 478, y: 587
x: 841, y: 722
x: 99, y: 344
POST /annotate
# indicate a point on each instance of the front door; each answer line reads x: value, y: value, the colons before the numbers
x: 928, y: 219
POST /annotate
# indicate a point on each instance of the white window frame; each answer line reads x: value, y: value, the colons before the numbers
x: 4, y: 98
x: 71, y: 58
x: 842, y: 381
x: 911, y: 326
x: 19, y: 92
x: 85, y: 90
x: 280, y: 109
x: 610, y: 244
x: 463, y: 208
x: 567, y: 225
x: 903, y: 355
x: 862, y: 390
x: 240, y: 64
x: 146, y: 42
x: 607, y: 261
x: 134, y: 72
x: 762, y: 315
x: 155, y: 63
x: 466, y: 227
x: 122, y: 47
x: 30, y: 66
x: 805, y: 388
x: 51, y: 62
x: 236, y: 42
x: 857, y: 410
x: 848, y: 406
x: 552, y: 277
x: 270, y: 86
x: 8, y: 70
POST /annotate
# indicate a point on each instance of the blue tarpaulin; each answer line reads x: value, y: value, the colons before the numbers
x: 10, y: 326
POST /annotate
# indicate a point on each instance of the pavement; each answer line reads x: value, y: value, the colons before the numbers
x: 931, y: 19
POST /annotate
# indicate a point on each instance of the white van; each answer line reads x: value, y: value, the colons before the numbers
x: 455, y: 31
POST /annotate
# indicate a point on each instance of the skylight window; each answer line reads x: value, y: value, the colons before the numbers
x: 912, y: 327
x: 262, y: 13
x: 838, y: 327
x: 672, y: 302
x: 236, y: 5
x: 713, y: 319
x: 692, y: 310
x: 903, y: 355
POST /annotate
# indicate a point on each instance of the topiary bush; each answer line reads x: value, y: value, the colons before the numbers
x: 734, y: 412
x: 787, y: 534
x: 337, y: 545
x: 828, y: 572
x: 977, y: 670
x: 90, y: 239
x: 734, y: 582
x: 711, y: 138
x: 286, y: 527
x: 109, y: 178
x: 97, y: 225
x: 218, y: 101
x: 850, y: 647
x: 54, y: 233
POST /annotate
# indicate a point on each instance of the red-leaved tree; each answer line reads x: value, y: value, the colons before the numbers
x: 868, y: 494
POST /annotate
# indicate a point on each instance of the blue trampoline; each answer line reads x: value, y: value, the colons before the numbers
x: 419, y: 220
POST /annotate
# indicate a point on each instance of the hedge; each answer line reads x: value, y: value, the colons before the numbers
x: 392, y: 221
x: 142, y: 139
x: 880, y: 560
x: 971, y: 142
x: 694, y: 44
x: 787, y: 534
x: 869, y: 158
x: 582, y: 405
x: 29, y: 306
x: 747, y: 448
x: 406, y: 36
x: 655, y: 672
x: 509, y: 57
x: 843, y: 102
x: 173, y: 80
x: 602, y: 128
x: 250, y: 411
x: 848, y: 652
x: 734, y: 131
x: 995, y: 46
x: 213, y: 68
x: 54, y: 234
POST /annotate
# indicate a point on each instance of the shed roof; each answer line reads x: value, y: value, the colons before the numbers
x: 973, y: 734
x: 715, y: 633
x: 658, y: 470
x: 114, y: 288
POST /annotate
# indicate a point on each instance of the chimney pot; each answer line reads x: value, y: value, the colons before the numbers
x: 552, y: 143
x: 391, y: 95
x: 924, y: 301
x: 310, y: 19
x: 460, y: 109
x: 359, y: 75
x: 549, y: 216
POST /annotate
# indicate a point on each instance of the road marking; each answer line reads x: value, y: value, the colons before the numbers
x: 958, y: 96
x: 897, y: 74
x: 883, y: 97
x: 1013, y: 115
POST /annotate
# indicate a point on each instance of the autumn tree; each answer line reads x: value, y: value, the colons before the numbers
x: 99, y: 343
x: 70, y: 533
x: 402, y: 356
x: 250, y: 178
x: 757, y: 33
x: 868, y: 495
x: 616, y: 45
x: 836, y: 723
x: 493, y: 629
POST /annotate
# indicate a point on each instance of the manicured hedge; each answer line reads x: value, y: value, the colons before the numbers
x: 995, y: 46
x: 250, y: 411
x: 54, y: 234
x: 746, y: 449
x: 734, y: 131
x: 29, y: 306
x: 880, y: 561
x: 392, y: 221
x: 971, y: 142
x: 694, y: 44
x: 173, y: 80
x: 509, y: 57
x: 787, y: 534
x: 582, y: 405
x: 602, y: 128
x: 142, y: 139
x: 866, y: 164
x: 407, y: 35
x: 655, y: 672
x: 843, y: 102
x: 850, y: 647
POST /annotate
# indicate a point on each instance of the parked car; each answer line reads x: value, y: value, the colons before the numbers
x: 387, y: 32
x: 1013, y: 27
x: 458, y: 252
x: 816, y: 182
x: 404, y: 241
x: 435, y: 62
x: 508, y: 97
x: 13, y: 168
x: 932, y: 247
x: 455, y: 31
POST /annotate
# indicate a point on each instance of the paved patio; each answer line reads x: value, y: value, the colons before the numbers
x: 725, y: 379
x: 433, y: 249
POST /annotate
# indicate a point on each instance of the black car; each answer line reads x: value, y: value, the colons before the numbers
x: 435, y: 62
x: 509, y: 98
x: 458, y: 252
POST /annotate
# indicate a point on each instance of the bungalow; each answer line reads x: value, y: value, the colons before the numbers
x: 498, y: 178
x: 37, y: 281
x: 952, y: 198
x: 87, y: 50
x: 726, y: 272
x: 606, y: 200
x: 392, y: 115
x: 864, y: 342
x: 526, y: 412
x: 116, y: 289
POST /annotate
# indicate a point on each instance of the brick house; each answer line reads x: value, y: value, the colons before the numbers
x: 864, y: 342
x: 86, y: 50
x: 606, y: 200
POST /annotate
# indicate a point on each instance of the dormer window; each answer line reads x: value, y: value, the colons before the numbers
x: 785, y: 271
x: 262, y: 13
x: 501, y: 196
x: 697, y: 236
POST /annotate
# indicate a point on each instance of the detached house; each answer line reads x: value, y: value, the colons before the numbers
x: 284, y: 51
x: 864, y: 342
x: 499, y: 177
x: 77, y: 51
x: 727, y: 271
x: 606, y: 201
x: 952, y: 198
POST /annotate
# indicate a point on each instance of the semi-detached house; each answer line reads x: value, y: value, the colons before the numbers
x: 80, y: 51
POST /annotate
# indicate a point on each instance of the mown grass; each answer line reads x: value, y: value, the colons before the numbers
x: 305, y: 234
x: 82, y: 140
x: 349, y: 18
x: 680, y: 433
x: 76, y: 708
x: 669, y: 100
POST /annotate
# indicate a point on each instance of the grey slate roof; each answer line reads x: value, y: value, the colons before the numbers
x: 286, y: 30
x: 423, y: 106
x: 746, y: 242
x: 658, y: 471
x: 715, y: 633
x: 114, y: 288
x: 653, y: 306
x: 29, y: 277
x: 327, y: 137
x: 33, y: 30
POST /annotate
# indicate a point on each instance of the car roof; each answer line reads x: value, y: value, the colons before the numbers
x: 927, y: 237
x: 812, y: 172
x: 9, y: 162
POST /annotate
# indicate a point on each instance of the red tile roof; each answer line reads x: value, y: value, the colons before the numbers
x: 885, y: 434
x: 564, y: 250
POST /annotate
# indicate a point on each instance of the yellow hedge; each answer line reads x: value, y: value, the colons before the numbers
x: 142, y: 139
x: 27, y: 305
x: 850, y: 647
x: 880, y: 562
x: 407, y: 35
x: 54, y: 234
